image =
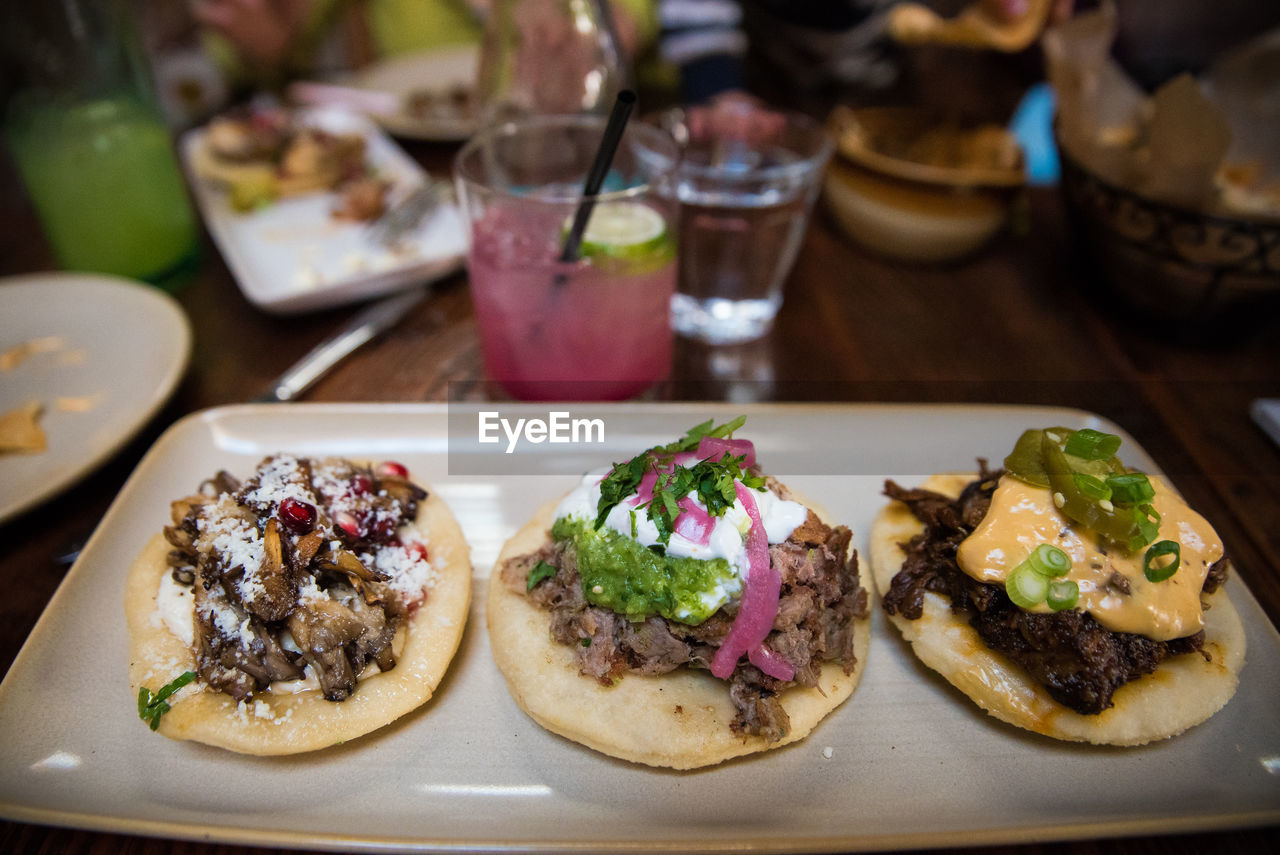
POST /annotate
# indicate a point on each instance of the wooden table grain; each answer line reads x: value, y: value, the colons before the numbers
x: 1022, y: 322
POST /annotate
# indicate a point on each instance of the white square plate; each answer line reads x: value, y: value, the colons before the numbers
x: 907, y: 761
x: 293, y: 256
x: 439, y: 73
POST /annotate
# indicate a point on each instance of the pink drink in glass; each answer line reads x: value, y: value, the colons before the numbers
x: 582, y: 330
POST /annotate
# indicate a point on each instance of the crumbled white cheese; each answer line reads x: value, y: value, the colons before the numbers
x: 410, y: 575
x: 309, y: 593
x: 223, y: 531
x: 278, y: 480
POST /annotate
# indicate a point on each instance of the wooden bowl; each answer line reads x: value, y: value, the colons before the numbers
x: 909, y: 186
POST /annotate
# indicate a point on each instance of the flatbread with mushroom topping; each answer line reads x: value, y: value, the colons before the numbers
x: 352, y: 606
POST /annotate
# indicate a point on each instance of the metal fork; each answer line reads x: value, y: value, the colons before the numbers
x: 407, y: 214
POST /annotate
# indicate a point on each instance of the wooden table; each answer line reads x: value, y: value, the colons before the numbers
x: 1019, y: 323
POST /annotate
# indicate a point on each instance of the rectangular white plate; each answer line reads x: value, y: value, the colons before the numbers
x: 293, y: 256
x: 911, y: 762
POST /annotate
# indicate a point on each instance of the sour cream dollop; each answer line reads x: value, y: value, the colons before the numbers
x: 727, y: 538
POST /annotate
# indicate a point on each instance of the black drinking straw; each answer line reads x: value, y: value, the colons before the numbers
x: 595, y: 177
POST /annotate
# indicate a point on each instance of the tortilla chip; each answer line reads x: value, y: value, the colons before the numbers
x: 974, y: 27
x: 290, y: 724
x: 20, y: 430
x: 679, y: 720
x: 1184, y: 691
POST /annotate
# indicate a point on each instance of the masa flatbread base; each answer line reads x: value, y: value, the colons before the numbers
x: 291, y: 724
x: 678, y: 720
x: 1184, y: 691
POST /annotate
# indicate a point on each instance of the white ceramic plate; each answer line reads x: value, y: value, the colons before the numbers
x: 109, y: 352
x: 1266, y: 412
x: 293, y: 256
x: 911, y: 761
x: 435, y: 73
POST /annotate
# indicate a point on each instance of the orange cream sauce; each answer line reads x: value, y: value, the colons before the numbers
x: 1022, y: 516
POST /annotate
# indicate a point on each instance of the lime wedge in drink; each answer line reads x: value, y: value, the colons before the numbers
x: 628, y: 237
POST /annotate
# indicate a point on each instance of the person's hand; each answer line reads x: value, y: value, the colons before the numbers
x: 1005, y: 25
x: 1012, y: 10
x: 626, y: 28
x: 262, y: 31
x: 734, y: 115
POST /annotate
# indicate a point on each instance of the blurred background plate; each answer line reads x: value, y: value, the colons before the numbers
x: 437, y: 90
x: 293, y: 256
x: 101, y: 354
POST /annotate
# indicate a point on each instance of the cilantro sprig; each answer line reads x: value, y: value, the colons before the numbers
x: 712, y: 480
x: 541, y: 570
x: 689, y: 442
x: 151, y: 706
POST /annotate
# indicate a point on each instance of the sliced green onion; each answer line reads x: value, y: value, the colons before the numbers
x: 1025, y: 587
x: 1163, y: 571
x: 1091, y: 487
x: 1090, y: 444
x: 1063, y: 594
x: 1049, y: 561
x: 1130, y: 489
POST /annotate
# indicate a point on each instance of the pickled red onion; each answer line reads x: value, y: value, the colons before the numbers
x: 759, y: 605
x: 771, y: 663
x: 684, y: 458
x: 694, y: 523
x: 714, y: 447
x: 644, y: 492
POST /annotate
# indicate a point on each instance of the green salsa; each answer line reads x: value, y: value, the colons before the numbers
x: 627, y: 577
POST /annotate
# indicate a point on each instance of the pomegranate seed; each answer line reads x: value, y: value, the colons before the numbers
x: 390, y: 468
x: 298, y: 517
x: 380, y: 527
x: 347, y: 521
x: 417, y: 548
x: 361, y: 485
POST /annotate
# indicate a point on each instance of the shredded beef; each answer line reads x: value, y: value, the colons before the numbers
x: 821, y: 597
x: 1078, y: 661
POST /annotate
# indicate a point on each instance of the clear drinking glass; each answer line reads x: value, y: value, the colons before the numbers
x: 549, y: 57
x: 90, y: 145
x: 746, y: 190
x: 593, y: 328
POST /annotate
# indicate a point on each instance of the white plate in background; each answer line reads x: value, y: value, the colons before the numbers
x: 292, y: 256
x: 907, y: 761
x: 1266, y: 413
x: 438, y: 73
x: 110, y: 353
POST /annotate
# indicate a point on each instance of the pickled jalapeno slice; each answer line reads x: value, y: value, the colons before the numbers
x: 1130, y: 527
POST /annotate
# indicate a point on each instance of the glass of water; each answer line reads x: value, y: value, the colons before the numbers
x: 746, y: 189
